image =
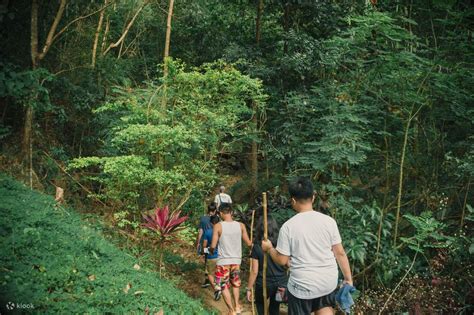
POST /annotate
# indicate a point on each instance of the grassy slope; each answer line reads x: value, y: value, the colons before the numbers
x: 52, y: 259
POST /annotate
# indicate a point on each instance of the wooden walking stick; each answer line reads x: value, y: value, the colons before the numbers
x: 265, y: 256
x: 251, y: 240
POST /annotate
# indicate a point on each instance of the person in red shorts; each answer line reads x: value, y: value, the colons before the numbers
x: 229, y: 234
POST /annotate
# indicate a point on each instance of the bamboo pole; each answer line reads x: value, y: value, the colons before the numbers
x: 251, y: 240
x: 265, y: 256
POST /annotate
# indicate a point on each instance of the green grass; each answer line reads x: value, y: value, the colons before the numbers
x: 59, y: 263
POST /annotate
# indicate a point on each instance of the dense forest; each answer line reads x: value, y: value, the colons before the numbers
x: 133, y: 105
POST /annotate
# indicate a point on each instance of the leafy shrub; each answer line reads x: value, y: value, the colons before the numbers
x: 155, y: 155
x: 60, y: 264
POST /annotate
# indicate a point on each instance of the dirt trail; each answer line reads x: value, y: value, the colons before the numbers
x: 208, y: 298
x: 194, y: 278
x: 192, y: 286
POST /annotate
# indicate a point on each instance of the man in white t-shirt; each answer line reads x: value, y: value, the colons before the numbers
x: 222, y: 197
x: 312, y: 241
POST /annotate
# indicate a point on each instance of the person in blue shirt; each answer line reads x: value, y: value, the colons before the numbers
x: 211, y: 259
x: 205, y: 224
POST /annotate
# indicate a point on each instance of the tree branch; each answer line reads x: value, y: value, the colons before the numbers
x: 52, y: 30
x: 80, y: 18
x: 96, y: 37
x: 125, y: 32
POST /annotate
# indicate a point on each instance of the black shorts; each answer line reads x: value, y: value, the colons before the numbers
x: 298, y: 306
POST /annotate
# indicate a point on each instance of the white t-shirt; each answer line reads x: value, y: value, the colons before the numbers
x: 308, y: 238
x: 222, y: 197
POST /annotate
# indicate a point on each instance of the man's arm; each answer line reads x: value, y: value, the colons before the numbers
x: 343, y: 262
x: 245, y: 236
x: 216, y: 232
x: 278, y: 258
x: 252, y: 277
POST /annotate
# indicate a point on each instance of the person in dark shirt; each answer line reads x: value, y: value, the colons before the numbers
x: 276, y: 274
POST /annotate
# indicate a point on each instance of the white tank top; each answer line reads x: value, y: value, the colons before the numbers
x: 230, y: 244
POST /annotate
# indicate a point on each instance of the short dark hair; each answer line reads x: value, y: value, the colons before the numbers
x: 212, y: 207
x: 301, y: 188
x: 225, y: 207
x: 215, y: 219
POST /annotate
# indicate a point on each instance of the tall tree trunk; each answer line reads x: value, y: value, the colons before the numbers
x: 167, y: 52
x: 254, y: 155
x: 400, y: 180
x: 265, y: 255
x: 34, y: 33
x: 286, y: 25
x: 36, y: 57
x: 168, y: 31
x: 254, y: 148
x: 97, y: 33
x: 27, y: 145
x: 258, y: 22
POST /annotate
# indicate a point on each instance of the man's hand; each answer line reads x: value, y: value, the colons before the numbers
x: 249, y: 295
x: 266, y: 245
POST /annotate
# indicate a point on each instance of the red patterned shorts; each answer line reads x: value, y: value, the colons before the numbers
x: 227, y: 275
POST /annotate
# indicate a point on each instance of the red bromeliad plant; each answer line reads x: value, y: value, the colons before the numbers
x: 165, y: 224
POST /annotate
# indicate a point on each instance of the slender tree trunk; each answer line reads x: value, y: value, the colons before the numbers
x: 463, y: 214
x: 36, y: 57
x: 258, y: 21
x: 162, y: 243
x: 265, y: 255
x: 168, y: 30
x: 286, y: 25
x: 27, y: 145
x: 97, y: 34
x: 254, y: 155
x: 34, y: 33
x: 387, y: 187
x: 400, y: 180
x: 254, y: 148
x: 251, y: 240
x: 167, y: 52
x: 104, y: 37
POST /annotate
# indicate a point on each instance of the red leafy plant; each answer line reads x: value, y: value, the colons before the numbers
x: 164, y: 223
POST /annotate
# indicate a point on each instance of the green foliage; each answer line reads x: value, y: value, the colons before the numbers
x: 59, y: 263
x: 151, y: 154
x: 428, y: 233
x: 25, y: 87
x: 346, y: 81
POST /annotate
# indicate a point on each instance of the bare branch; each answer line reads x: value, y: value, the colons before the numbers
x: 125, y: 32
x: 80, y: 18
x: 52, y: 30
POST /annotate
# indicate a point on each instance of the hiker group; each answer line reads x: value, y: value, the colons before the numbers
x: 308, y: 245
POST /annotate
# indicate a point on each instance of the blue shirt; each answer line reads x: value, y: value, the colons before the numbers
x: 208, y: 236
x: 205, y: 223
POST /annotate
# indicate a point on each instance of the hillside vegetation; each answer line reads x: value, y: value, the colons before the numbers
x: 56, y: 262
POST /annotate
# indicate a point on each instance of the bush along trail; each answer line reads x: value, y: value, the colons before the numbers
x: 54, y: 261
